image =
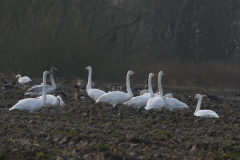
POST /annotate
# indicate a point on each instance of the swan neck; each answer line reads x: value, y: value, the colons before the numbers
x: 19, y: 76
x: 199, y: 104
x: 89, y: 79
x: 44, y: 88
x: 150, y: 86
x: 52, y: 81
x: 160, y: 86
x: 129, y: 91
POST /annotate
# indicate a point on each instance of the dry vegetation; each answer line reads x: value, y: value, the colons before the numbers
x: 84, y: 130
x: 189, y: 39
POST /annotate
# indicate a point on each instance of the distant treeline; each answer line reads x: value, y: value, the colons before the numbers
x: 114, y: 36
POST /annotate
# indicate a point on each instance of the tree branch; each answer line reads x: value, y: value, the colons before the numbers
x: 119, y: 27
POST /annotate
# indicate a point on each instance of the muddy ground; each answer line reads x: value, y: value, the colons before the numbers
x: 84, y: 130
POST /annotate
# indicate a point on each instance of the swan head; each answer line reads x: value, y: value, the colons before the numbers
x: 161, y: 74
x: 62, y: 104
x: 131, y: 73
x: 198, y: 96
x: 151, y: 75
x: 53, y: 69
x: 18, y: 76
x: 88, y: 68
x: 47, y: 72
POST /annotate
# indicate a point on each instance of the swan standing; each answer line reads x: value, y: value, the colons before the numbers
x: 203, y: 113
x: 53, y: 101
x: 38, y: 89
x: 118, y: 97
x: 156, y: 102
x: 23, y: 80
x: 93, y: 93
x: 33, y: 104
x: 173, y: 104
x: 141, y: 101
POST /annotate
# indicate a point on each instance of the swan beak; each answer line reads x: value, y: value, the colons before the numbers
x: 134, y: 73
x: 49, y: 72
x: 85, y: 68
x: 195, y: 97
x: 63, y: 106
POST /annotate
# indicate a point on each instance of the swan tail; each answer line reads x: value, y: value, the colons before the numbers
x: 12, y: 108
x: 125, y: 104
x: 98, y: 100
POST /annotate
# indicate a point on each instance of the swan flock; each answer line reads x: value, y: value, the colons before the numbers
x: 147, y: 98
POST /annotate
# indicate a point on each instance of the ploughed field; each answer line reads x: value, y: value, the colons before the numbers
x: 85, y: 130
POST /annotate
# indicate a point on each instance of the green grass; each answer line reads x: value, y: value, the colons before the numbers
x: 101, y: 147
x: 1, y: 156
x: 165, y: 133
x: 73, y: 132
x: 233, y: 155
x: 40, y: 155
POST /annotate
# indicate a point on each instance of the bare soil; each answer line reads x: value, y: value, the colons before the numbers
x: 85, y: 130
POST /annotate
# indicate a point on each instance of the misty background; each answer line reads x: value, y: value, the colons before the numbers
x: 194, y: 42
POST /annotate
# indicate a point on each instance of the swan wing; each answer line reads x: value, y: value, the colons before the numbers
x: 174, y: 104
x: 144, y: 92
x: 206, y: 113
x: 95, y: 93
x: 28, y: 104
x: 39, y: 88
x: 51, y: 101
x: 116, y: 97
x: 25, y: 79
x: 36, y: 88
x: 139, y: 101
x: 155, y: 103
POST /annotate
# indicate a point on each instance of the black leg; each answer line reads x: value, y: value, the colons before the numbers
x: 113, y: 110
x: 139, y: 110
x: 116, y: 110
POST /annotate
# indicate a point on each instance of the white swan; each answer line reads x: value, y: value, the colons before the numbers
x: 146, y: 93
x: 173, y: 104
x: 93, y: 93
x: 141, y: 101
x: 203, y: 113
x: 37, y: 89
x: 156, y: 102
x: 53, y: 101
x: 32, y: 104
x: 23, y: 80
x: 118, y: 97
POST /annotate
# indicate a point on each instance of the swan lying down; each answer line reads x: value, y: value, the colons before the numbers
x: 173, y: 104
x: 204, y: 113
x: 32, y: 104
x: 53, y: 101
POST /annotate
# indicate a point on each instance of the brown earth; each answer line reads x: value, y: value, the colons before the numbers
x: 84, y: 130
